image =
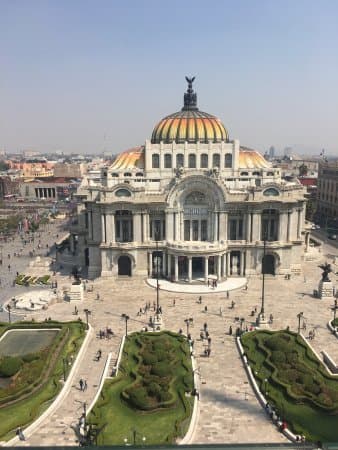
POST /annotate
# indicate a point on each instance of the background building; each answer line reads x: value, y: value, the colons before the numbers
x: 327, y: 194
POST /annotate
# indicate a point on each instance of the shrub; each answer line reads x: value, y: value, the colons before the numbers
x: 30, y: 357
x: 279, y: 342
x: 9, y: 366
x: 161, y: 369
x: 278, y: 357
x: 138, y: 398
x: 149, y: 358
x: 154, y: 389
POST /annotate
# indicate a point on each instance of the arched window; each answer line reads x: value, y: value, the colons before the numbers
x: 271, y: 192
x: 204, y: 161
x: 167, y: 161
x: 122, y: 193
x: 216, y: 160
x: 114, y: 174
x: 228, y: 161
x: 179, y: 160
x: 155, y: 161
x: 192, y: 161
x: 256, y: 174
x: 127, y: 174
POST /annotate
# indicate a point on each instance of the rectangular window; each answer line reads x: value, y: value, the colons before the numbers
x: 240, y: 229
x: 195, y: 230
x: 232, y: 229
x: 187, y: 230
x: 204, y: 230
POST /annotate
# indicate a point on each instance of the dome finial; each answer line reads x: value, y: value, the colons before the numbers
x: 190, y: 97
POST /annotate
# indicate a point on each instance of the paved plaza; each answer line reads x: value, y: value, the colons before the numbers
x: 229, y: 410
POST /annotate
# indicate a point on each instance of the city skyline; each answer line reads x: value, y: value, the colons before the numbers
x: 76, y: 76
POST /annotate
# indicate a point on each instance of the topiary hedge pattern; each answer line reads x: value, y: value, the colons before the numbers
x: 294, y: 368
x: 161, y: 370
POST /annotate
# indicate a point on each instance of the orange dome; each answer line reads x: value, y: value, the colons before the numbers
x: 189, y: 124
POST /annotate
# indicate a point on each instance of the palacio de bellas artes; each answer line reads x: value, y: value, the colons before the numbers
x: 189, y: 205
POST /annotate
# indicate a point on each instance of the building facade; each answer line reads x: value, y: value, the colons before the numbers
x: 327, y: 192
x: 190, y: 204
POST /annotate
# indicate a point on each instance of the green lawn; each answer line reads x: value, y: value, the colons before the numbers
x: 297, y: 383
x: 38, y: 382
x: 131, y: 405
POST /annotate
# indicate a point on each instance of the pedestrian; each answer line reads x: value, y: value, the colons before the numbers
x: 81, y: 383
x: 230, y: 330
x: 205, y: 309
x: 200, y: 299
x: 20, y: 434
x: 9, y: 267
x: 85, y: 386
x: 76, y: 310
x: 227, y: 294
x: 220, y: 311
x: 97, y: 296
x: 205, y: 326
x: 174, y: 302
x: 232, y: 304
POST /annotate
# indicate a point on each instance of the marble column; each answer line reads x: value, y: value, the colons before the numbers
x: 206, y: 269
x: 150, y: 264
x: 215, y: 226
x: 164, y: 264
x: 228, y: 263
x: 90, y: 234
x: 137, y: 227
x: 241, y: 263
x: 288, y: 227
x: 223, y: 217
x: 248, y: 227
x: 219, y: 267
x: 189, y: 269
x: 169, y: 226
x: 224, y: 268
x: 103, y: 228
x: 176, y: 268
x: 169, y: 266
x: 177, y: 223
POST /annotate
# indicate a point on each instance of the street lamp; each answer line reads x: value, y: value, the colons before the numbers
x: 261, y: 316
x: 188, y: 322
x: 334, y: 309
x: 126, y: 318
x: 8, y: 307
x: 299, y: 315
x: 157, y: 236
x: 87, y: 312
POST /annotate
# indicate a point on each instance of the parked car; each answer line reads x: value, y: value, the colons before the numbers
x: 332, y: 236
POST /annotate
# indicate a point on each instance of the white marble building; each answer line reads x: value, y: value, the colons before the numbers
x: 191, y: 203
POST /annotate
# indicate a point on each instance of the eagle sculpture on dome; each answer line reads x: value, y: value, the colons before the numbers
x: 190, y: 81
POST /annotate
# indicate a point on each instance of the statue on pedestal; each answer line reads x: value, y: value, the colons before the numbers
x: 326, y: 270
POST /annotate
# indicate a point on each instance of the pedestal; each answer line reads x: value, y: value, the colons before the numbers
x: 262, y: 320
x: 157, y: 322
x: 325, y: 290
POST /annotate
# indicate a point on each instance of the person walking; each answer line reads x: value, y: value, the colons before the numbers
x: 81, y: 383
x: 230, y: 330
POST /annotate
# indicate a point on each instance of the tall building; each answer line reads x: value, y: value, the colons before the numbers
x: 191, y: 202
x: 327, y: 192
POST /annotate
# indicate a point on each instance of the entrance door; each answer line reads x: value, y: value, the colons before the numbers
x: 268, y: 265
x: 124, y: 265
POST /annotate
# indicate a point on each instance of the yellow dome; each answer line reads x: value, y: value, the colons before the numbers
x: 189, y: 124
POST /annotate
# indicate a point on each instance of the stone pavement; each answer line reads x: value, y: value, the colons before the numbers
x: 229, y: 411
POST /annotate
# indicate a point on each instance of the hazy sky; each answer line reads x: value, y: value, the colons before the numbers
x: 88, y: 76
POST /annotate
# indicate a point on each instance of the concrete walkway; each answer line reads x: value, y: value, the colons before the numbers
x: 199, y: 288
x: 229, y: 411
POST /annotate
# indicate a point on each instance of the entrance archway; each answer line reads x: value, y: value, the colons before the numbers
x: 268, y: 265
x: 124, y: 265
